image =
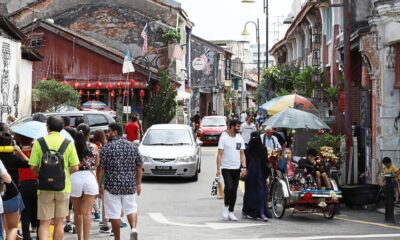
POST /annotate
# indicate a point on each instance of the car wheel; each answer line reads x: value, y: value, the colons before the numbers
x: 199, y: 170
x: 195, y: 178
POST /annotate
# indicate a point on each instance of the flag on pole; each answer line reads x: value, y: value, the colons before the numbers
x: 144, y: 36
x: 206, y: 63
x: 177, y: 52
x: 127, y: 67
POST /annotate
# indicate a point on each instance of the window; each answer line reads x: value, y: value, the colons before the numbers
x: 97, y: 120
x: 328, y: 23
x: 36, y: 40
x: 168, y: 137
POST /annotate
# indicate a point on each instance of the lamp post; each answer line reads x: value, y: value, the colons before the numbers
x: 266, y: 11
x: 246, y: 33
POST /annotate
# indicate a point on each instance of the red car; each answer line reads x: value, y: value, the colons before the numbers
x: 211, y: 128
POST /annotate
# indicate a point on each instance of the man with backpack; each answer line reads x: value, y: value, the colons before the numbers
x: 54, y: 158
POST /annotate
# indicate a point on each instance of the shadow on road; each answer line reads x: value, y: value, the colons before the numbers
x: 166, y: 180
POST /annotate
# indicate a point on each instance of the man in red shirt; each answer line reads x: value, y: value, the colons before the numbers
x: 132, y: 130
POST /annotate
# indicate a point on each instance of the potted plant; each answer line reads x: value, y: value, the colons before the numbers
x: 171, y: 35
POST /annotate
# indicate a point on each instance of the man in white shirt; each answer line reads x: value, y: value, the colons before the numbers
x: 243, y: 116
x: 247, y: 128
x: 270, y: 141
x: 231, y: 162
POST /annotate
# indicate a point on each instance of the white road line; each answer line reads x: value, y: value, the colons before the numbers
x: 328, y: 237
x: 158, y: 217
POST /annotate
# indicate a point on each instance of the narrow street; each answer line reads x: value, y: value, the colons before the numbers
x: 175, y: 209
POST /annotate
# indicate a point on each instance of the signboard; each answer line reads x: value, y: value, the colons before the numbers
x: 228, y: 69
x: 127, y: 110
x: 198, y: 64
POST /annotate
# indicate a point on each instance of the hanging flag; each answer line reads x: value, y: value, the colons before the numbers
x: 177, y: 52
x: 207, y: 65
x: 127, y: 67
x: 144, y: 36
x: 204, y: 58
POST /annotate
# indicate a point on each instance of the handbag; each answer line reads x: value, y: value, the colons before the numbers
x: 214, y: 186
x: 220, y: 191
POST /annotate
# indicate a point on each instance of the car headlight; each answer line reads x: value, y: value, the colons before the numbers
x: 147, y: 159
x: 186, y: 159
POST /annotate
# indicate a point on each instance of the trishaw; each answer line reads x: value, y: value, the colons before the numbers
x: 301, y: 194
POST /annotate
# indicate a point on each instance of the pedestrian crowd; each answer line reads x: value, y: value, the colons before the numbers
x: 69, y: 183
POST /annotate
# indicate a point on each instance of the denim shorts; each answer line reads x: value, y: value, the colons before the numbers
x: 14, y: 204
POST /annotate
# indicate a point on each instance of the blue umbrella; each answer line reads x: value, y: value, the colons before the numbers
x: 268, y: 104
x: 35, y: 130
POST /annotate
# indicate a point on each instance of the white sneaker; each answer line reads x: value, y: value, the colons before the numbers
x: 225, y: 212
x: 232, y: 217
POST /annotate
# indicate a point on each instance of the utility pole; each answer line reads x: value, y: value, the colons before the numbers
x: 266, y: 11
x: 347, y: 71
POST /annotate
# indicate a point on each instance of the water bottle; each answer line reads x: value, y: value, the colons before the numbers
x: 6, y: 149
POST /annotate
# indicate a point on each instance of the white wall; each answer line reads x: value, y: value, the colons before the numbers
x: 15, y: 80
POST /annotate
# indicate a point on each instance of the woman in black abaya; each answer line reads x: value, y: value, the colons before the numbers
x: 255, y: 196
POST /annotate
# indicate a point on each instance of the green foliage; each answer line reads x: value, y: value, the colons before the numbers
x: 303, y: 82
x: 171, y: 34
x: 325, y: 139
x: 161, y: 107
x: 333, y: 92
x: 230, y: 98
x: 282, y: 92
x: 52, y: 94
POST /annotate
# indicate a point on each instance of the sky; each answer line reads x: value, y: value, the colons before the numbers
x: 225, y: 19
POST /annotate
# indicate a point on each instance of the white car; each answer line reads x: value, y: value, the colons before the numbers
x: 170, y: 150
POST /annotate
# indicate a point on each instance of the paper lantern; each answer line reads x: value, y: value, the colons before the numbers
x: 88, y: 85
x: 142, y: 93
x: 126, y: 93
x: 77, y: 85
x: 120, y: 85
x: 64, y: 82
x: 81, y: 92
x: 132, y: 83
x: 109, y: 87
x: 98, y: 84
x: 330, y: 132
x: 112, y: 93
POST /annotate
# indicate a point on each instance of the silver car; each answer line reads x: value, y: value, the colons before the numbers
x: 170, y: 150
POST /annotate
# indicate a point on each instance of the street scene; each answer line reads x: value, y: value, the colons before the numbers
x: 213, y: 119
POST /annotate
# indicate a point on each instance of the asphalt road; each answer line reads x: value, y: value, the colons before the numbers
x: 177, y: 209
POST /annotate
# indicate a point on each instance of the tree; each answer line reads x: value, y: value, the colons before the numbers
x: 161, y: 107
x: 52, y: 94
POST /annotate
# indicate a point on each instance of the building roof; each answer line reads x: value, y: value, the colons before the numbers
x: 31, y: 54
x: 208, y: 43
x: 11, y: 29
x: 84, y: 41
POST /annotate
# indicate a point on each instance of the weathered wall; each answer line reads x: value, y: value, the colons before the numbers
x: 12, y: 77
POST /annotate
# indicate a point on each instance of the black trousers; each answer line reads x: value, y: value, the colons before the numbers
x: 231, y: 181
x: 28, y: 191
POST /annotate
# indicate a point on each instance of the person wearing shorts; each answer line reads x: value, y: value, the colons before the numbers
x: 84, y: 185
x: 121, y: 164
x: 54, y: 204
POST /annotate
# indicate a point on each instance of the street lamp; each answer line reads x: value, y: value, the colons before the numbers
x: 266, y: 10
x: 246, y: 33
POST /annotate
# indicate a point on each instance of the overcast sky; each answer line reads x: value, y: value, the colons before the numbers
x: 225, y: 19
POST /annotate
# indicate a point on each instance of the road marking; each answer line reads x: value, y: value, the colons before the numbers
x: 368, y: 223
x: 328, y: 237
x: 158, y: 217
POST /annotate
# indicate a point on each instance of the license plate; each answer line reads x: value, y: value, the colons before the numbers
x: 163, y: 168
x: 212, y: 138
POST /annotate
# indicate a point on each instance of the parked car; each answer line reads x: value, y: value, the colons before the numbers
x: 97, y: 106
x: 211, y: 128
x: 95, y: 120
x: 170, y: 150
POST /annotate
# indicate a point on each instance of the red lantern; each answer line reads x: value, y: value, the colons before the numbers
x: 320, y: 132
x: 126, y: 93
x: 120, y: 85
x: 64, y: 82
x: 97, y: 93
x: 132, y: 83
x: 142, y: 93
x: 81, y: 92
x: 98, y: 84
x: 112, y: 93
x: 77, y: 85
x: 157, y: 88
x: 109, y: 87
x: 88, y: 85
x: 42, y: 79
x: 330, y: 132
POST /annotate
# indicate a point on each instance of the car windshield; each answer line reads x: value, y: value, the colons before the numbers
x: 167, y: 137
x: 213, y: 122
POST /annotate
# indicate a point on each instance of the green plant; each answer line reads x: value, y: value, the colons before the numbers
x: 161, y: 107
x: 52, y: 94
x: 171, y: 34
x: 325, y: 139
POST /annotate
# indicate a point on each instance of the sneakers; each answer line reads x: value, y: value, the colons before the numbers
x: 232, y: 217
x: 263, y: 218
x: 105, y: 229
x: 134, y: 236
x: 68, y: 227
x: 123, y: 224
x: 225, y: 212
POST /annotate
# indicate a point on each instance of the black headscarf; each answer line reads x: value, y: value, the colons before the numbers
x: 257, y: 151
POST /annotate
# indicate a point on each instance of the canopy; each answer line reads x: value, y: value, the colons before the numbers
x: 282, y: 103
x: 295, y: 119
